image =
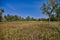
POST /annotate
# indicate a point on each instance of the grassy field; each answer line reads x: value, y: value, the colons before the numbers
x: 30, y: 30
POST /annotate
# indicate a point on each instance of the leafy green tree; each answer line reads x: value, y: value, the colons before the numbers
x: 15, y: 18
x: 28, y: 18
x: 33, y: 19
x: 49, y: 7
x: 8, y: 17
x: 21, y: 18
x: 58, y: 14
x: 1, y: 11
x: 53, y: 17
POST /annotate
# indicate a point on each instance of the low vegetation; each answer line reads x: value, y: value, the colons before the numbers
x: 29, y: 30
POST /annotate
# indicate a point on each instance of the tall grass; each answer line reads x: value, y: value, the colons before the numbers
x: 29, y: 30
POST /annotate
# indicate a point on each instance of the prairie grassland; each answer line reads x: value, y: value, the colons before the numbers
x: 28, y: 23
x: 29, y: 30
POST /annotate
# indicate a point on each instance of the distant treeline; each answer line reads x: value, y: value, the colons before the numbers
x: 10, y: 18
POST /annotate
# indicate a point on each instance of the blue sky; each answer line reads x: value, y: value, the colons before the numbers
x: 23, y: 7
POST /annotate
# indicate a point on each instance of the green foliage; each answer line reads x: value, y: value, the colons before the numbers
x: 21, y: 18
x: 58, y: 14
x: 53, y: 17
x: 28, y: 18
x: 33, y: 19
x: 15, y: 18
x: 11, y: 17
x: 49, y: 7
x: 43, y: 19
x: 8, y: 17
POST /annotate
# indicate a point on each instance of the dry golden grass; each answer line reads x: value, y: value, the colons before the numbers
x: 28, y: 23
x: 29, y: 30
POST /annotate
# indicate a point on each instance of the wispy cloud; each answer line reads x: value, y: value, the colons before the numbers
x: 9, y: 6
x: 12, y: 8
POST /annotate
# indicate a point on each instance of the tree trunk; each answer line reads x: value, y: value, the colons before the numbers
x: 0, y: 17
x: 49, y: 17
